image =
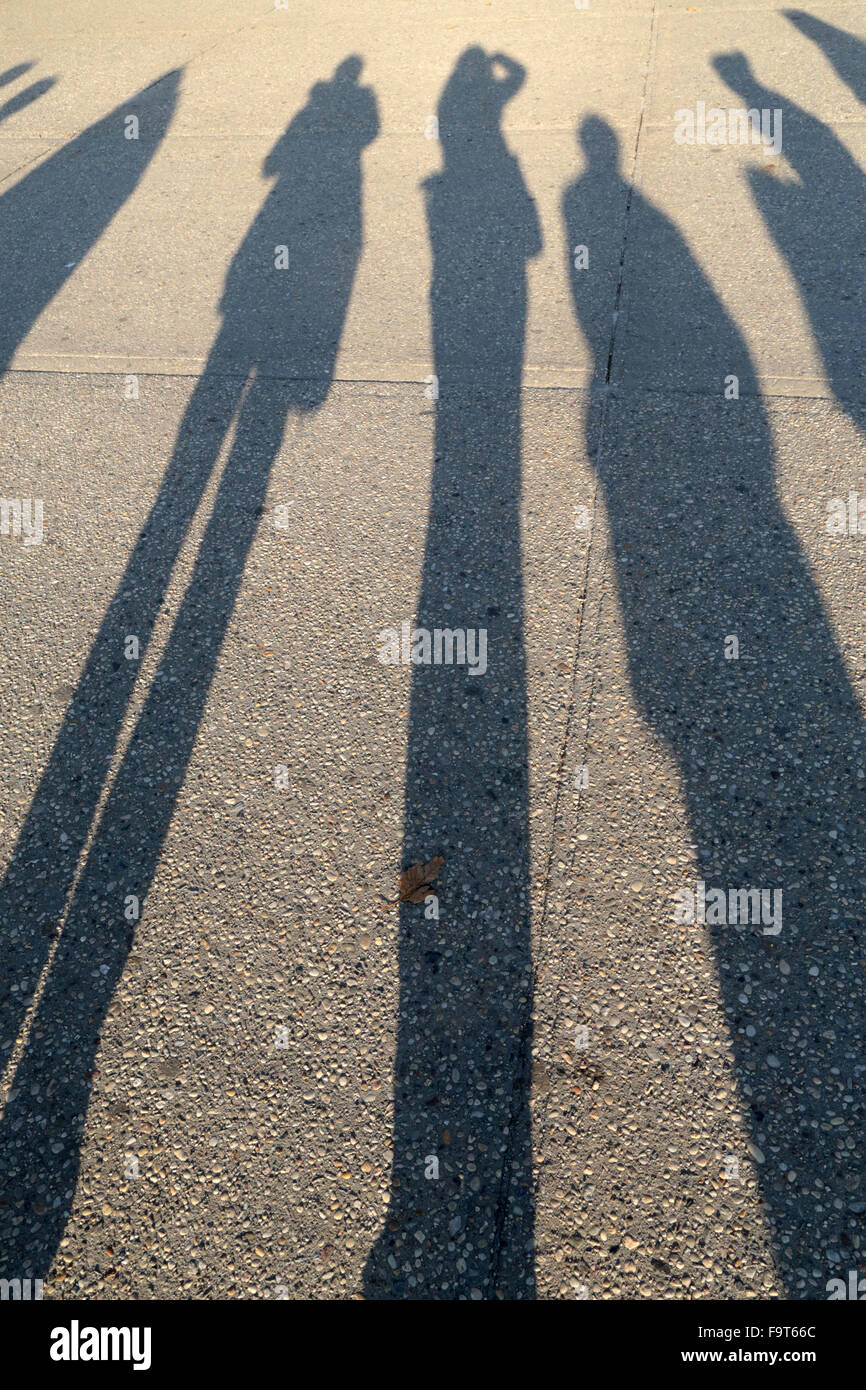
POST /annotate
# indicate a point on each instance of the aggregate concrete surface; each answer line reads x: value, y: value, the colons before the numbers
x: 326, y: 329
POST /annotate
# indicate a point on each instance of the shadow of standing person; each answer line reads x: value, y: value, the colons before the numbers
x: 460, y: 1219
x: 49, y: 221
x: 768, y: 746
x: 274, y: 354
x: 54, y: 215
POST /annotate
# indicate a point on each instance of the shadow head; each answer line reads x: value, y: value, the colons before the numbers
x: 349, y: 70
x: 599, y: 142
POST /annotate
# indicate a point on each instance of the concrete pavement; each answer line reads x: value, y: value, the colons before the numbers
x: 233, y: 1068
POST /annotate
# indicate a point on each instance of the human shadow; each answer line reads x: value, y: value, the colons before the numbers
x: 769, y: 745
x: 54, y: 215
x: 26, y: 97
x: 818, y: 223
x: 49, y: 220
x: 845, y: 51
x: 460, y: 1219
x: 12, y: 74
x: 274, y: 354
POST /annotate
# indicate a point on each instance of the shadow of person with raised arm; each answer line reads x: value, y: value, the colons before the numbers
x: 845, y: 51
x: 769, y: 745
x: 460, y: 1219
x: 21, y: 100
x: 818, y: 224
x: 17, y: 70
x: 49, y: 221
x: 54, y: 215
x: 275, y: 353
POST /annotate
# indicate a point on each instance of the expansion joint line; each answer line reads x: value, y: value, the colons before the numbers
x: 595, y: 552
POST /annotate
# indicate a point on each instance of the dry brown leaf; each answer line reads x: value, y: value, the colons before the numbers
x: 415, y: 880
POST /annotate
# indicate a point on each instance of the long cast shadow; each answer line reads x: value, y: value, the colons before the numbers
x: 845, y: 51
x: 12, y: 74
x: 461, y: 1227
x: 53, y: 216
x: 274, y: 354
x: 769, y: 746
x: 818, y: 223
x: 26, y: 97
x: 49, y: 221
